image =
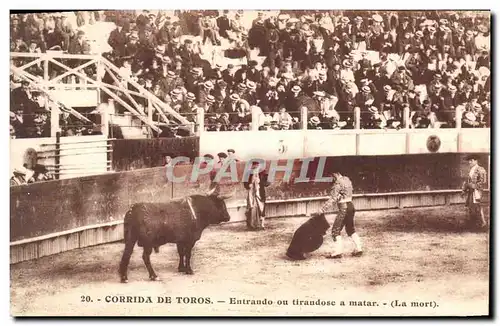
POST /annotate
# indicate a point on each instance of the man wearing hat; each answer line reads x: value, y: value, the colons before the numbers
x: 216, y: 72
x: 251, y: 95
x: 204, y: 90
x: 330, y: 117
x: 450, y: 99
x: 240, y: 89
x: 221, y: 90
x: 167, y: 82
x: 208, y: 106
x: 405, y: 44
x: 67, y: 31
x: 252, y: 73
x: 458, y: 40
x: 147, y: 39
x: 208, y: 161
x: 186, y: 53
x: 21, y: 96
x: 292, y: 99
x: 132, y: 47
x: 346, y: 74
x: 39, y: 126
x: 189, y: 109
x: 418, y: 41
x: 224, y: 24
x: 473, y: 190
x: 400, y: 77
x: 430, y: 40
x: 79, y: 45
x: 228, y: 75
x: 404, y: 27
x: 314, y: 123
x: 142, y: 19
x: 256, y: 198
x: 482, y: 40
x: 222, y: 158
x: 483, y: 60
x: 359, y: 34
x: 15, y: 28
x: 118, y: 39
x: 175, y: 97
x: 323, y: 85
x: 364, y: 62
x: 436, y: 85
x: 341, y: 196
x: 376, y: 34
x: 173, y: 49
x: 164, y: 34
x: 364, y: 96
x: 274, y: 125
x: 469, y: 45
x: 194, y: 79
x: 232, y: 155
x: 231, y: 107
x: 208, y: 29
x: 343, y: 29
x: 215, y: 124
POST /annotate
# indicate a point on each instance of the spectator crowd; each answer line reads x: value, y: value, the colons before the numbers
x: 430, y: 64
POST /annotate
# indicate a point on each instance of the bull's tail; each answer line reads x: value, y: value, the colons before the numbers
x: 127, y: 230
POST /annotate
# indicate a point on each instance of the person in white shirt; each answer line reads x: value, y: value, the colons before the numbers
x: 283, y: 117
x: 125, y: 71
x: 265, y: 118
x: 482, y: 40
x: 346, y: 74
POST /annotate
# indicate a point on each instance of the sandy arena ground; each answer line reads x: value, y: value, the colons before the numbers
x: 411, y: 255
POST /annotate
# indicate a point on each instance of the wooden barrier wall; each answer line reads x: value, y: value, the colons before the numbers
x: 89, y: 210
x: 133, y: 154
x: 91, y: 235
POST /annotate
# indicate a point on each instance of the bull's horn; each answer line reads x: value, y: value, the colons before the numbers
x: 211, y: 192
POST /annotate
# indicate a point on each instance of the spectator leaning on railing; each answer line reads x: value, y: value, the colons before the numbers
x: 426, y: 63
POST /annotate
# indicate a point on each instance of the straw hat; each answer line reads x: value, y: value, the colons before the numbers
x: 314, y: 120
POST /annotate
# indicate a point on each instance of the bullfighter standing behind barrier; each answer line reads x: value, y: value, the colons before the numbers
x: 473, y: 189
x: 214, y: 185
x: 341, y: 194
x: 256, y: 198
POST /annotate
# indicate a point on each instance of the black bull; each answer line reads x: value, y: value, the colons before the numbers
x: 308, y: 237
x: 182, y: 222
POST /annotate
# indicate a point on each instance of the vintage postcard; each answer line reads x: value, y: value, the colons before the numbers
x: 250, y: 163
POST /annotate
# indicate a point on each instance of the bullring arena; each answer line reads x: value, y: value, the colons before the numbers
x: 103, y: 106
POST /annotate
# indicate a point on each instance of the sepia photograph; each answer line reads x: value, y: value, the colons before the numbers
x: 261, y: 163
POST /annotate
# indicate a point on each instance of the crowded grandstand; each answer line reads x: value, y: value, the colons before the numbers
x: 405, y: 69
